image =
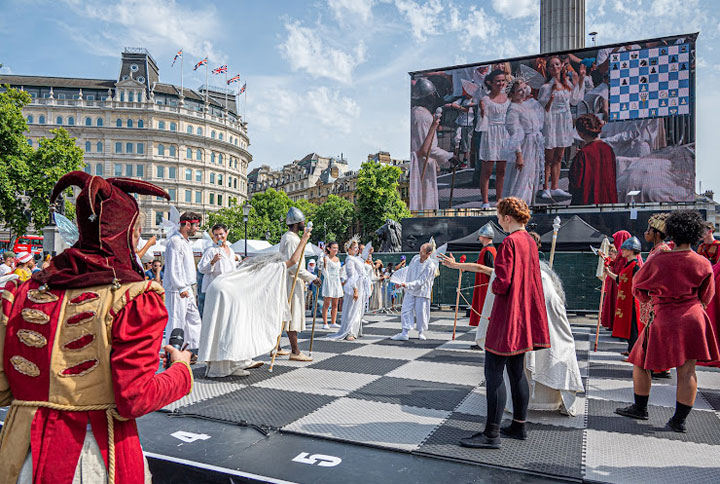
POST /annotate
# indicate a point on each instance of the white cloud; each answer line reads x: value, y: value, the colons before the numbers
x: 517, y: 8
x: 472, y: 25
x: 354, y: 9
x: 5, y: 70
x: 307, y: 51
x: 332, y: 109
x: 425, y: 19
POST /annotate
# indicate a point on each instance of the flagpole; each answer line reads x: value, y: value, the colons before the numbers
x: 226, y: 89
x: 182, y: 65
x: 207, y: 64
x: 244, y: 102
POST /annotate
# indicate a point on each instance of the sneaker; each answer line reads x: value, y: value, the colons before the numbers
x: 335, y: 325
x: 513, y: 433
x: 475, y: 347
x: 676, y: 426
x: 485, y: 206
x: 422, y: 337
x: 559, y: 192
x: 481, y: 441
x: 633, y: 411
x: 400, y: 337
x: 254, y: 364
x: 546, y: 194
x: 300, y: 357
x: 240, y: 372
x: 325, y: 326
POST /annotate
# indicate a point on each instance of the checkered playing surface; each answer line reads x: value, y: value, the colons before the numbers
x: 422, y: 396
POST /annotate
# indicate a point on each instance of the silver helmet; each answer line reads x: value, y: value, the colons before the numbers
x: 294, y: 216
x: 486, y: 231
x: 422, y: 88
x: 633, y: 243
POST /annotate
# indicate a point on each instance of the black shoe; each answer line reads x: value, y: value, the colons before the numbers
x: 513, y: 432
x: 481, y: 441
x: 476, y: 347
x: 633, y: 411
x: 661, y: 374
x: 677, y: 426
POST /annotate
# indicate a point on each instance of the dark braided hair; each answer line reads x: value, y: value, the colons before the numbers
x: 589, y: 125
x: 685, y: 227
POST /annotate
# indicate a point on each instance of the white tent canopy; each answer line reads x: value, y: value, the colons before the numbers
x: 253, y: 246
x: 311, y: 250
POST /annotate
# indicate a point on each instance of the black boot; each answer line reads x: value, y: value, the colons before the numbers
x: 516, y: 430
x: 677, y: 422
x: 633, y: 411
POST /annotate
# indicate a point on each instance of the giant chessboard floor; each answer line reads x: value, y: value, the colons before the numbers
x: 420, y: 397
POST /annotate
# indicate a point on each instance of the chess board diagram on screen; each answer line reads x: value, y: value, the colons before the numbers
x: 650, y: 83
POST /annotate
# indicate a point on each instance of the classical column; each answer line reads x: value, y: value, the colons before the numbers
x: 562, y: 25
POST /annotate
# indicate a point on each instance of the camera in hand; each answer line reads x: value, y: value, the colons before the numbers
x: 177, y: 339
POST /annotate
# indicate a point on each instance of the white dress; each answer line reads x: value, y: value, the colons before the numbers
x: 353, y: 309
x: 558, y: 127
x: 332, y: 287
x: 524, y: 122
x: 493, y: 139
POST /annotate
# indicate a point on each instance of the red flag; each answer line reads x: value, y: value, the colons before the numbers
x: 201, y: 63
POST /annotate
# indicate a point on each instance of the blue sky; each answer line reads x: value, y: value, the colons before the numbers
x: 331, y: 75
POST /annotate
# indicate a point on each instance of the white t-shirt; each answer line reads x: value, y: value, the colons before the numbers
x: 5, y: 269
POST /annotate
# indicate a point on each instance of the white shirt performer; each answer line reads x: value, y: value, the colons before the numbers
x: 418, y: 287
x: 288, y: 244
x: 180, y: 282
x: 218, y: 259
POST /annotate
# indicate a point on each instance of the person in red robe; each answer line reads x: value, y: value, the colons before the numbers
x: 713, y: 312
x: 487, y: 259
x: 592, y: 172
x: 709, y: 248
x: 518, y: 324
x: 610, y: 300
x: 679, y: 283
x: 79, y: 346
x: 627, y: 309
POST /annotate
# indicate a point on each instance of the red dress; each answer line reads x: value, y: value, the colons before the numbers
x: 518, y: 322
x: 678, y: 284
x: 593, y: 175
x: 486, y: 258
x: 713, y: 312
x: 710, y: 251
x: 646, y: 307
x: 627, y: 307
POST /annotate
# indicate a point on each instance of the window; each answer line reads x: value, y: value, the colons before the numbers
x: 141, y: 123
x: 161, y: 124
x: 198, y: 155
x: 219, y: 179
x: 220, y: 158
x: 129, y: 123
x: 140, y: 148
x: 160, y: 171
x: 87, y: 146
x: 99, y: 147
x: 118, y: 123
x: 159, y: 218
x: 118, y: 147
x: 173, y: 150
x: 172, y: 172
x: 99, y: 122
x: 128, y: 147
x: 90, y: 97
x: 199, y: 130
x: 235, y: 183
x: 128, y: 170
x: 58, y: 120
x: 198, y: 197
x: 212, y: 199
x: 219, y: 199
x: 118, y: 169
x: 122, y: 93
x: 71, y: 121
x: 29, y: 142
x: 212, y: 134
x: 189, y: 130
x: 172, y: 192
x: 188, y: 154
x: 212, y: 177
x: 198, y: 176
x: 220, y: 136
x: 41, y: 119
x: 131, y: 97
x: 29, y: 119
x: 88, y: 122
x: 140, y: 170
x: 188, y: 196
x: 188, y: 174
x: 212, y: 157
x: 87, y: 169
x: 173, y: 127
x: 61, y: 96
x: 99, y: 169
x: 161, y: 150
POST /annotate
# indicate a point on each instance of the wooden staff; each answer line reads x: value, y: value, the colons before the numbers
x: 292, y: 291
x: 556, y: 227
x: 457, y: 297
x: 312, y: 333
x: 602, y: 299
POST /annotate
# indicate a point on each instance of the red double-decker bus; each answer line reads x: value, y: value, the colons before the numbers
x: 29, y: 243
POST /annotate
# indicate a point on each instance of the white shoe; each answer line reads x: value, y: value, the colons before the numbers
x: 559, y: 192
x: 546, y: 194
x: 335, y: 325
x: 240, y: 372
x: 325, y: 326
x: 422, y: 337
x: 485, y: 206
x: 400, y: 337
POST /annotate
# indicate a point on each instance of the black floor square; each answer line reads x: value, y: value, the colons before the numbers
x: 326, y: 346
x: 470, y: 336
x: 414, y: 393
x: 372, y: 331
x: 259, y: 406
x: 702, y: 426
x: 413, y: 343
x: 455, y: 357
x: 712, y: 397
x: 618, y: 372
x: 359, y: 364
x: 256, y: 376
x: 548, y: 450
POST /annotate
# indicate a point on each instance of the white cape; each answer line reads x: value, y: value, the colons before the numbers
x: 244, y: 311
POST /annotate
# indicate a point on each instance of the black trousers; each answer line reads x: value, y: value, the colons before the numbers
x: 495, y: 387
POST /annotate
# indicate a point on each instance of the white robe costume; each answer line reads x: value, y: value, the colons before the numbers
x: 227, y: 263
x: 424, y: 193
x: 244, y: 311
x: 552, y: 373
x: 415, y: 311
x: 524, y: 123
x: 353, y: 310
x: 288, y: 244
x: 180, y: 276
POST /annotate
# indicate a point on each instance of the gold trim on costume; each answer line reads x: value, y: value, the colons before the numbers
x: 8, y: 296
x: 41, y: 297
x: 32, y: 338
x: 24, y: 366
x: 66, y: 348
x: 621, y: 295
x: 82, y: 373
x: 35, y: 316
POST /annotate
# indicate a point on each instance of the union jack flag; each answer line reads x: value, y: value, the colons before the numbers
x: 201, y: 63
x: 220, y: 69
x: 233, y: 79
x: 179, y: 54
x: 242, y: 89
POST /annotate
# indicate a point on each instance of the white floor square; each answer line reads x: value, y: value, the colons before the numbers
x: 383, y: 424
x: 321, y: 382
x: 440, y: 372
x: 286, y: 361
x: 661, y: 394
x: 390, y: 351
x: 458, y: 345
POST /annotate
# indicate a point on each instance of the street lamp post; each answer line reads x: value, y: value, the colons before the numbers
x: 246, y: 213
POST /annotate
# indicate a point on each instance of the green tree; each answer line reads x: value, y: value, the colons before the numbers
x: 378, y: 198
x: 333, y: 220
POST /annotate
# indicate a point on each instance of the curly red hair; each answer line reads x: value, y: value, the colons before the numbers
x: 515, y: 208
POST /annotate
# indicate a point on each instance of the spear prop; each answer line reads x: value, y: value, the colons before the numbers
x: 556, y: 227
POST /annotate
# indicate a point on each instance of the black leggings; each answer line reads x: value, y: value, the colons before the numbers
x: 495, y: 387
